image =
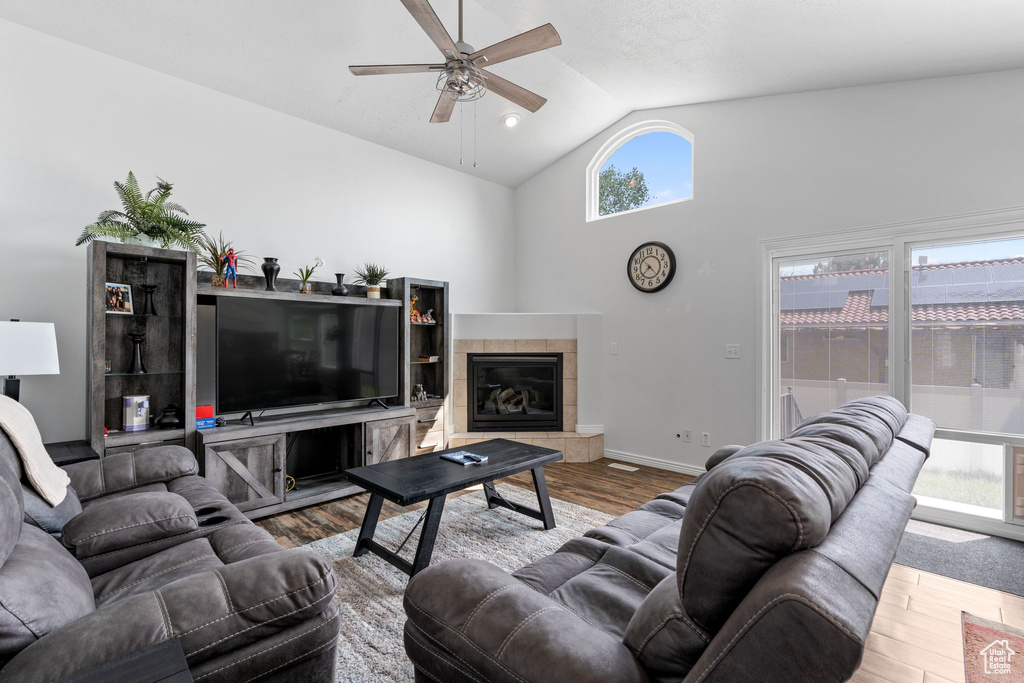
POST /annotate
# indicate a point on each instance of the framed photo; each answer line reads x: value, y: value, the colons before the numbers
x: 119, y: 299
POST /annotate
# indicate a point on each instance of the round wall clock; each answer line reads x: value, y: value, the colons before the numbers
x: 651, y: 266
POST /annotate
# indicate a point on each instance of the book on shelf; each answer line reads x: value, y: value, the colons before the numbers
x: 429, y: 359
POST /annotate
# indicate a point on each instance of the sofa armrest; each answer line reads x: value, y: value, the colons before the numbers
x: 127, y: 521
x: 469, y: 620
x: 721, y: 454
x: 126, y: 471
x: 212, y: 613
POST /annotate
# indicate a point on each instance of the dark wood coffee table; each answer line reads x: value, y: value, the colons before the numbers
x: 428, y: 477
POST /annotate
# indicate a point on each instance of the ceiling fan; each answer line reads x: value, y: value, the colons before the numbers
x: 462, y: 78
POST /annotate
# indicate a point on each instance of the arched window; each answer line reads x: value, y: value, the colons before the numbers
x: 645, y: 165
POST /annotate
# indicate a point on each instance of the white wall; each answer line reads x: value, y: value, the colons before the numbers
x: 767, y: 167
x: 73, y: 120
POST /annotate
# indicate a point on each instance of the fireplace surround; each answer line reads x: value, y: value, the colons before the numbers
x: 514, y: 391
x: 577, y: 446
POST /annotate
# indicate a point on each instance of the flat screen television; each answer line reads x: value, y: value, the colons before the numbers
x: 274, y: 353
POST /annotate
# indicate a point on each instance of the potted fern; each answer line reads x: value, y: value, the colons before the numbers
x: 215, y: 257
x: 371, y: 275
x: 146, y: 217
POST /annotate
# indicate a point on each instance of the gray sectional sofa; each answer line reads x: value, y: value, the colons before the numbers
x: 769, y: 567
x: 149, y: 552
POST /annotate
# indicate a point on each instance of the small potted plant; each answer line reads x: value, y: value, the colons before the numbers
x: 146, y: 218
x: 215, y: 257
x: 371, y: 275
x: 305, y: 273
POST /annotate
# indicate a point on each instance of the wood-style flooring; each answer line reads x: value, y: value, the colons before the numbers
x: 915, y: 637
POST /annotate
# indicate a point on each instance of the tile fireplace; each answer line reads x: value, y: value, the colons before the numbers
x: 514, y: 391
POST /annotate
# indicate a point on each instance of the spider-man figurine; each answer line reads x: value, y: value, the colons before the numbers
x: 232, y: 272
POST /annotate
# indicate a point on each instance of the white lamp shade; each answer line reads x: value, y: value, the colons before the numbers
x: 28, y: 349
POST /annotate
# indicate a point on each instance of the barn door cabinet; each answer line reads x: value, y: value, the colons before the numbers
x: 388, y: 440
x: 249, y: 464
x: 249, y: 472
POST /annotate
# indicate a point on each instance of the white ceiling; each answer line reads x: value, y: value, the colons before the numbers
x: 616, y: 57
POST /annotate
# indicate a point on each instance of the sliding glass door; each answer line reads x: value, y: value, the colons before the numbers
x: 832, y: 332
x: 966, y: 342
x: 935, y: 322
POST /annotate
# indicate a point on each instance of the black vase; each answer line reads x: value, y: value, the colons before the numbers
x: 270, y: 270
x: 168, y: 418
x: 137, y: 367
x: 148, y: 306
x: 341, y: 289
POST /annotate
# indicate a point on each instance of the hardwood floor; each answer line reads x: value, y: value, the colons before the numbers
x: 915, y: 637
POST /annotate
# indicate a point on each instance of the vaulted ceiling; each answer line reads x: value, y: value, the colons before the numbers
x: 615, y: 57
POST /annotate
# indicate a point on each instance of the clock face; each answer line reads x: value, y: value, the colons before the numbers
x: 651, y: 266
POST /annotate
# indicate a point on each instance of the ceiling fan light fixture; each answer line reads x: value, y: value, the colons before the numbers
x: 462, y: 81
x: 511, y: 119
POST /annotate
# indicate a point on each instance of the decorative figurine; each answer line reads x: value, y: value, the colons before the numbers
x: 232, y: 271
x: 414, y: 315
x: 428, y: 318
x: 418, y: 394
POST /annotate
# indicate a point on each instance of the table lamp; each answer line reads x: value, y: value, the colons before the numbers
x: 26, y: 349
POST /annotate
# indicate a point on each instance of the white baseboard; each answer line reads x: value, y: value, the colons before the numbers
x: 654, y: 462
x: 590, y: 429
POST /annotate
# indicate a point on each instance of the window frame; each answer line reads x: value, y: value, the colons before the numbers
x: 612, y: 145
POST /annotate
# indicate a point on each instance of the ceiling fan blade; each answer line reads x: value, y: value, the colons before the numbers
x: 540, y: 38
x: 443, y: 110
x: 424, y: 15
x: 513, y: 93
x: 380, y: 69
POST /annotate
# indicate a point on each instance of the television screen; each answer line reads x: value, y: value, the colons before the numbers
x: 277, y: 353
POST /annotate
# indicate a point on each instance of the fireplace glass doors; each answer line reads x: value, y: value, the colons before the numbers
x: 515, y: 392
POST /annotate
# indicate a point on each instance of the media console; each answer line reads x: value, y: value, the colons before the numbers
x: 252, y: 464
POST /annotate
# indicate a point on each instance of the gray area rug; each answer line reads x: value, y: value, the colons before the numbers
x: 988, y: 561
x: 370, y: 590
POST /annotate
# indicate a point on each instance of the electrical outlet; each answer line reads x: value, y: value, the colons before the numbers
x: 732, y: 350
x: 615, y: 348
x: 705, y: 439
x: 687, y: 436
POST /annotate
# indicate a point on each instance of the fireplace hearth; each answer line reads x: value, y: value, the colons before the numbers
x: 514, y: 391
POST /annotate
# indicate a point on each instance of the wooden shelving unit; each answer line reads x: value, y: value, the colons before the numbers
x: 168, y: 348
x: 427, y: 339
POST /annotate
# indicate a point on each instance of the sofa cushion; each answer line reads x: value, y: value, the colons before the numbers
x: 637, y: 525
x: 608, y: 593
x: 42, y: 588
x: 662, y: 637
x: 12, y: 507
x: 126, y: 471
x: 49, y: 518
x: 199, y: 494
x: 765, y: 502
x: 128, y: 521
x: 225, y: 546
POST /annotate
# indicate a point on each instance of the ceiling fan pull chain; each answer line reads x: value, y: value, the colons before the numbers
x: 462, y: 133
x: 474, y: 133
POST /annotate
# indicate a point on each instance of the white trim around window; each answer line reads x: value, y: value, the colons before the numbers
x: 612, y: 145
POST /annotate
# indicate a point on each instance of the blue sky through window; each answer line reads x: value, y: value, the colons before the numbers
x: 665, y: 159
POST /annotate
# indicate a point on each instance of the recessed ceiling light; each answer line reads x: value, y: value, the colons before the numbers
x: 511, y: 120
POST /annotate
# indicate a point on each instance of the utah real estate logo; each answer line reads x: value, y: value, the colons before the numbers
x: 996, y: 657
